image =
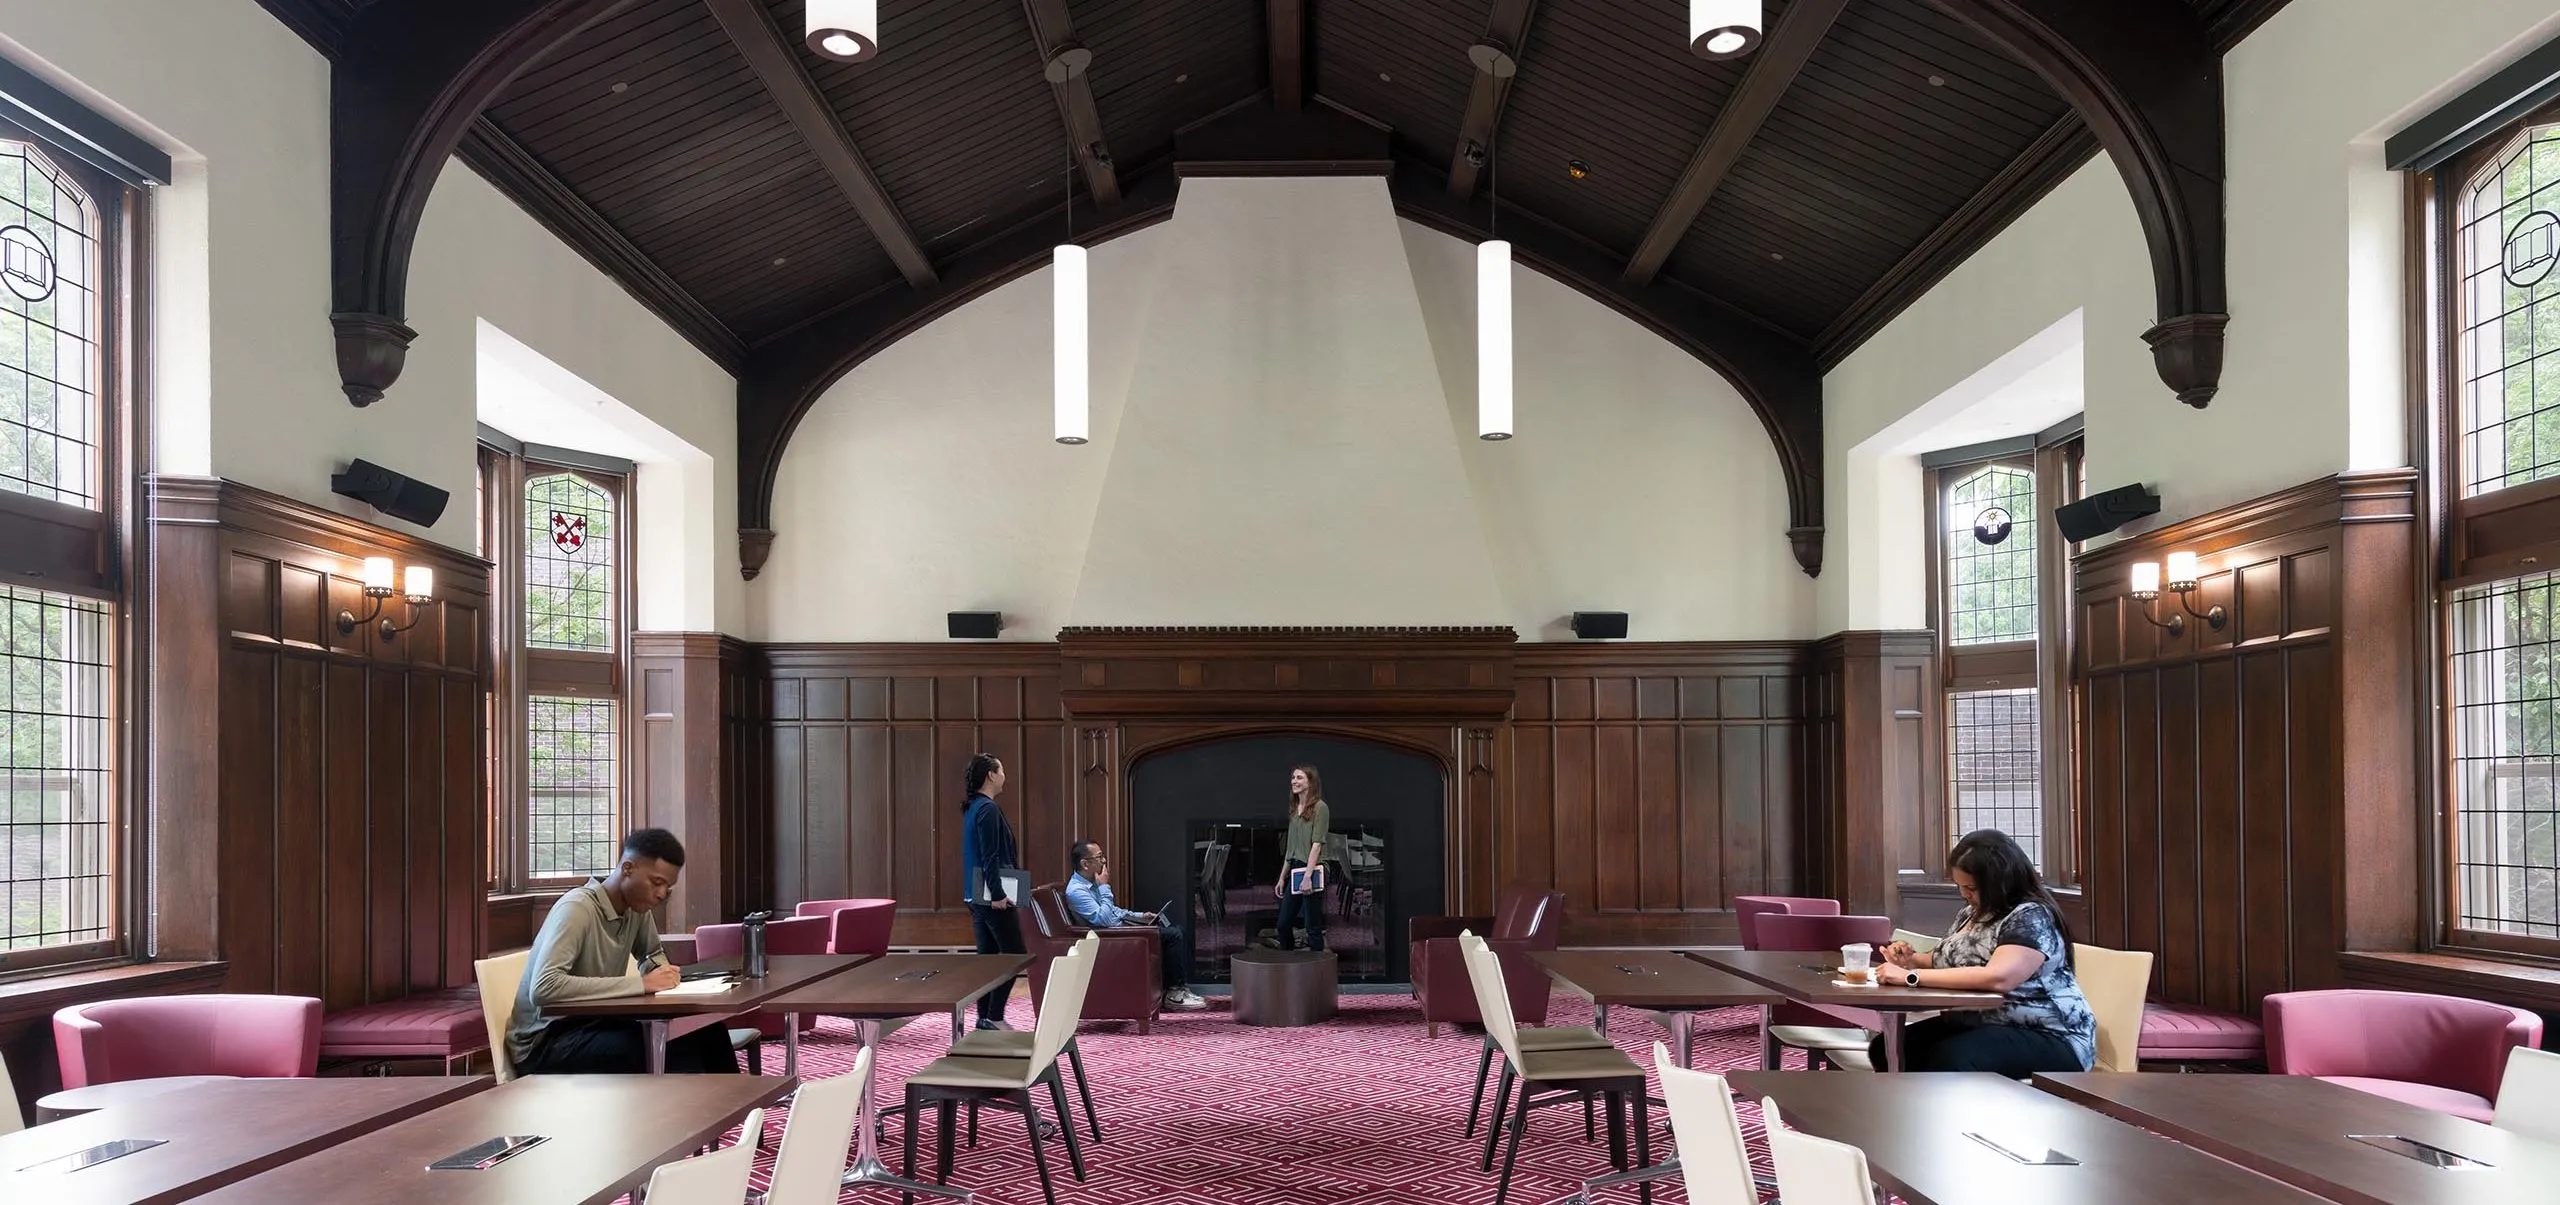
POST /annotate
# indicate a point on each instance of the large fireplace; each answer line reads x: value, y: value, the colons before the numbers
x: 1209, y: 819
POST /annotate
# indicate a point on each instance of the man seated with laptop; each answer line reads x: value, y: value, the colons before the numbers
x: 587, y: 950
x: 1089, y: 898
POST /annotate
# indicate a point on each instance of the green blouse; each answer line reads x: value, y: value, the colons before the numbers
x: 1305, y: 831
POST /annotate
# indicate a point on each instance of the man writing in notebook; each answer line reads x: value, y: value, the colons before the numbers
x: 1089, y: 898
x: 599, y: 942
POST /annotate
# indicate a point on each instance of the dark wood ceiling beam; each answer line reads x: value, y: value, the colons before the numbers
x: 1054, y: 31
x: 2230, y: 21
x: 1287, y: 23
x: 2146, y: 78
x: 323, y: 23
x: 1507, y: 30
x: 2046, y: 163
x: 515, y: 172
x: 775, y: 58
x: 1764, y: 83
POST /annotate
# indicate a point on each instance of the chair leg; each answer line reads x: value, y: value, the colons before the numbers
x: 1084, y: 1088
x: 1066, y: 1122
x: 1039, y: 1154
x: 973, y: 1125
x: 1616, y: 1106
x: 944, y: 1118
x: 908, y: 1198
x: 1644, y: 1143
x: 1431, y: 1029
x: 1511, y: 1152
x: 1493, y: 1124
x: 1484, y: 1070
x: 1587, y: 1132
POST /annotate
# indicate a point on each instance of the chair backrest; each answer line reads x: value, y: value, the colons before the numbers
x: 1046, y: 932
x: 1815, y: 931
x: 1530, y: 915
x: 788, y: 935
x: 1213, y: 863
x: 1815, y: 1171
x: 150, y: 1037
x: 1748, y: 909
x: 810, y: 1163
x: 11, y: 1120
x: 719, y: 1178
x: 1714, y: 1165
x: 2413, y: 1037
x: 2115, y: 981
x: 1063, y: 1004
x: 500, y: 978
x: 861, y: 926
x: 2528, y: 1094
x: 1493, y: 998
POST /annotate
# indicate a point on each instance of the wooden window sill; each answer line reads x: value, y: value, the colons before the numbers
x: 28, y: 999
x: 2522, y: 984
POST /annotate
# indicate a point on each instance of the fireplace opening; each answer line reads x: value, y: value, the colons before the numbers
x: 1208, y: 821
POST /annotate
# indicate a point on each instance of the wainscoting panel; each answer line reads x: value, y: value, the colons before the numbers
x: 2226, y: 769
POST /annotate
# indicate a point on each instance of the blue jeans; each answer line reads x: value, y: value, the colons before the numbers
x: 1295, y: 908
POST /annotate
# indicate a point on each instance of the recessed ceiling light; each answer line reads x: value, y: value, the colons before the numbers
x: 1577, y: 169
x: 1385, y: 78
x: 620, y: 87
x: 1777, y: 255
x: 780, y: 260
x: 1937, y: 81
x: 1183, y: 78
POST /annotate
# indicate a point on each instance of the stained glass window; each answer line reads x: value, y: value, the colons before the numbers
x: 1989, y: 533
x: 2508, y: 245
x: 49, y: 361
x: 569, y: 548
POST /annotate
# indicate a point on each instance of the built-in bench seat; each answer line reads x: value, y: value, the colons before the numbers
x: 445, y: 1025
x: 2185, y: 1033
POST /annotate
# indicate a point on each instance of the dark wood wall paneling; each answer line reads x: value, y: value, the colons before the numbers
x: 1875, y: 793
x: 2251, y: 794
x: 688, y: 765
x: 326, y: 838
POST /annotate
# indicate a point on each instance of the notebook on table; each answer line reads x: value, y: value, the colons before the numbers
x: 1920, y: 943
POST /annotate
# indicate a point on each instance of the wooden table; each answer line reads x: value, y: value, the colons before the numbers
x: 1913, y: 1129
x: 1659, y: 982
x: 889, y: 988
x: 72, y: 1102
x: 1804, y: 977
x: 605, y: 1133
x: 783, y: 973
x: 2295, y: 1128
x: 212, y: 1134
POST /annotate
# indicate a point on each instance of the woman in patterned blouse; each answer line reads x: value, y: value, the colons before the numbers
x: 2010, y: 939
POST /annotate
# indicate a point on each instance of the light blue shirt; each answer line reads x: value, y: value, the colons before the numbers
x: 1092, y: 903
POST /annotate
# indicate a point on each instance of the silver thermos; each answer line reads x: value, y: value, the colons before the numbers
x: 755, y: 943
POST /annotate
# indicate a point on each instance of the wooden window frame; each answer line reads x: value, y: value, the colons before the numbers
x: 2468, y: 541
x: 2056, y: 459
x: 520, y: 672
x: 103, y: 554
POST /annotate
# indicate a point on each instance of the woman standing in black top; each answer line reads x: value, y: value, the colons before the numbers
x: 986, y: 846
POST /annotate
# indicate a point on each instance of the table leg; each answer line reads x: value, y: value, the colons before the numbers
x: 867, y: 1167
x: 653, y: 1034
x: 791, y: 1044
x: 959, y: 1027
x: 1680, y: 1025
x: 1600, y: 1019
x: 1768, y: 1044
x: 1893, y: 1041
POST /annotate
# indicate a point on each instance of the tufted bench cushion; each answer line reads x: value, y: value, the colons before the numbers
x: 429, y: 1025
x: 2184, y: 1033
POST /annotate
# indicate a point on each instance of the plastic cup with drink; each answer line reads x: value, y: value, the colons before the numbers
x: 1856, y: 961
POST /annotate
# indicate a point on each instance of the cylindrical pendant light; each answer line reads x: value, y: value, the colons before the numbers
x: 1723, y: 29
x: 1074, y: 385
x: 1493, y: 339
x: 846, y: 30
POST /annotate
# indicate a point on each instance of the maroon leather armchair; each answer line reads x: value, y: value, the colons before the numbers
x: 1128, y: 980
x: 1527, y: 919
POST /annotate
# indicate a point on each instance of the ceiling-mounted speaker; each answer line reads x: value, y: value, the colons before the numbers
x: 393, y: 493
x: 2098, y: 514
x: 1600, y: 625
x: 975, y: 625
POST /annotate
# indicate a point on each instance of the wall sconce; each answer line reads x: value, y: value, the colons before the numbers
x: 2182, y: 580
x: 418, y: 587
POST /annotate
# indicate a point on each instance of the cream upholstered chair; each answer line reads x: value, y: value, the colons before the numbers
x: 2115, y: 981
x: 1715, y: 1166
x: 1815, y: 1171
x: 809, y: 1162
x: 719, y: 1178
x: 11, y: 1121
x: 953, y: 1080
x: 2528, y: 1094
x: 499, y: 979
x: 1550, y: 1076
x: 1017, y: 1044
x: 1536, y: 1037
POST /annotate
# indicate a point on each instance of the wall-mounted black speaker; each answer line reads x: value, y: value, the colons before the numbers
x: 975, y: 625
x: 2098, y: 514
x: 395, y: 494
x: 1600, y: 625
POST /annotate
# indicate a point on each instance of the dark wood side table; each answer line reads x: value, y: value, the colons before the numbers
x: 1284, y: 987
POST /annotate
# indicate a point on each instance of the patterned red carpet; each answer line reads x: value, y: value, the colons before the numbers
x: 1203, y: 1111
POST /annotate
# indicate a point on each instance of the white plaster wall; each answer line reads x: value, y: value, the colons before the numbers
x: 246, y: 382
x: 926, y: 482
x: 2312, y: 383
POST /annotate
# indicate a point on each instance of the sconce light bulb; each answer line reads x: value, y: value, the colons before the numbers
x: 379, y: 575
x: 419, y: 584
x: 2182, y: 571
x: 2146, y: 580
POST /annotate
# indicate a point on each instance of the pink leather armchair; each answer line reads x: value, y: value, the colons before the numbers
x: 1748, y: 909
x: 1526, y: 919
x: 861, y: 926
x: 2440, y: 1052
x: 265, y: 1037
x: 793, y: 935
x: 1128, y: 979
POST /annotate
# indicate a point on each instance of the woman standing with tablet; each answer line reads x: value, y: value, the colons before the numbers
x: 1310, y: 821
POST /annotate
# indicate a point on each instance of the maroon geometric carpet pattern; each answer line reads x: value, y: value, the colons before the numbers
x: 1363, y: 1110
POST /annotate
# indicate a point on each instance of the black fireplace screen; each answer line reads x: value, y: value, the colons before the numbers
x: 1234, y: 905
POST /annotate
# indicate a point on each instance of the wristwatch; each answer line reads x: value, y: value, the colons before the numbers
x: 1910, y: 978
